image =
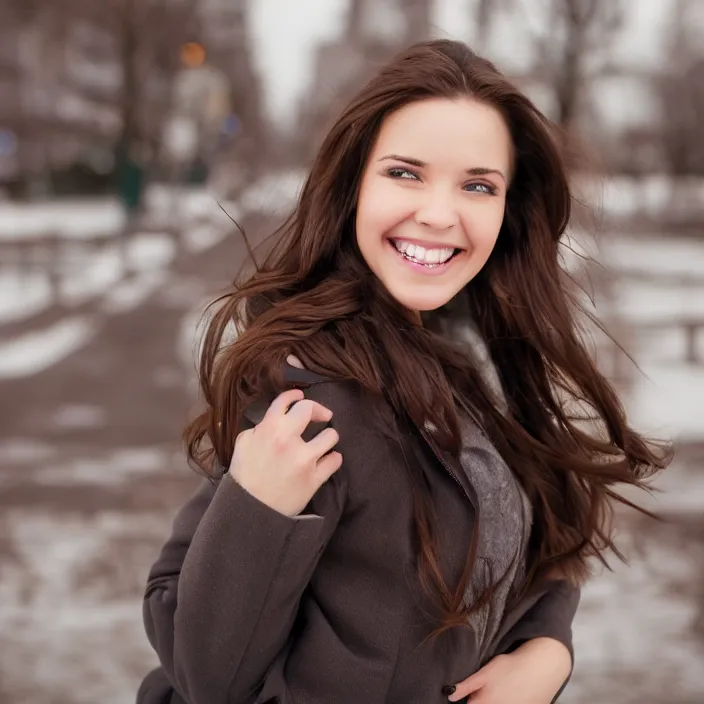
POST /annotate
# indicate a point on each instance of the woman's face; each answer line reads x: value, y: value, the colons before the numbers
x: 432, y: 198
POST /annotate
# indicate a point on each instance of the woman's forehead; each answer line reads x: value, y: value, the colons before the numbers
x: 445, y: 131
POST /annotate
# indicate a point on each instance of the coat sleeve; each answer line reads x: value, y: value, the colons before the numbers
x: 223, y: 595
x: 550, y: 616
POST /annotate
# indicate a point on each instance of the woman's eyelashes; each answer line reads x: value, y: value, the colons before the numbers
x: 396, y: 172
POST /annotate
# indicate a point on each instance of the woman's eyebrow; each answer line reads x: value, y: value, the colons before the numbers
x: 475, y: 171
x: 405, y: 159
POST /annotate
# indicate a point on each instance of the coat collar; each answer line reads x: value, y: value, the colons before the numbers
x: 303, y: 378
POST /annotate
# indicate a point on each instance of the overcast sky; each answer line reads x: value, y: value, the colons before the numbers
x: 287, y: 33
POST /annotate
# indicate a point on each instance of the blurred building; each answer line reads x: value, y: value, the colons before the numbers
x: 85, y: 85
x: 244, y: 126
x: 373, y: 32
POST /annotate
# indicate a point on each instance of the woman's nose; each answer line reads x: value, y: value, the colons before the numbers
x: 437, y: 211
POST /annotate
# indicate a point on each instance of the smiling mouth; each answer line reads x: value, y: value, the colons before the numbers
x: 431, y: 258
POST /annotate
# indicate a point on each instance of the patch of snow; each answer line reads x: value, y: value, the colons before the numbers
x: 201, y: 237
x: 150, y: 250
x: 70, y: 218
x: 641, y: 302
x: 114, y: 468
x: 79, y: 416
x: 25, y: 451
x: 275, y: 193
x: 189, y: 201
x: 37, y: 351
x: 71, y: 595
x: 669, y: 403
x: 624, y: 620
x: 664, y: 255
x: 23, y: 294
x: 128, y: 295
x: 89, y: 274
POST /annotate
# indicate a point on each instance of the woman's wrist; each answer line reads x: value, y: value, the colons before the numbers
x: 550, y: 654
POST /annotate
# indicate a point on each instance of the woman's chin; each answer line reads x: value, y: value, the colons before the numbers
x: 422, y: 304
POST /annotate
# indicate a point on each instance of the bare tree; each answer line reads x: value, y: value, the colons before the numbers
x: 680, y: 88
x: 483, y: 15
x: 230, y: 50
x: 418, y: 15
x: 60, y: 47
x: 573, y: 47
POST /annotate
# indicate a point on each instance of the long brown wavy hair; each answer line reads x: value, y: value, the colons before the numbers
x: 561, y: 427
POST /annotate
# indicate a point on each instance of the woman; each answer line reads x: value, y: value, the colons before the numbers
x: 390, y: 526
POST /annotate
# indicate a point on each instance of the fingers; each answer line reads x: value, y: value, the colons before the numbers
x: 306, y: 411
x: 282, y: 402
x: 469, y: 686
x: 327, y: 466
x: 297, y: 411
x: 324, y: 441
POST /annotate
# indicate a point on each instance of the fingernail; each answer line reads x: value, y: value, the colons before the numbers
x: 448, y: 689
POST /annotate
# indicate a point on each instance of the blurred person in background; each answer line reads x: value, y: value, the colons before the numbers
x: 382, y: 520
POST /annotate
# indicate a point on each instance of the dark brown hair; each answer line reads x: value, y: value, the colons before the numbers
x: 562, y: 430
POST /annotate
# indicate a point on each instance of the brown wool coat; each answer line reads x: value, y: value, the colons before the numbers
x: 247, y: 606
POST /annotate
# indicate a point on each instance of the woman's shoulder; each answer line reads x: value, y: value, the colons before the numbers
x: 348, y: 402
x: 342, y: 396
x: 367, y: 441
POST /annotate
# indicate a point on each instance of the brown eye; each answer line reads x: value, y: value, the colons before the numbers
x: 396, y: 172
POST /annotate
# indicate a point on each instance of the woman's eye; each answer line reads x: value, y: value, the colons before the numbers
x: 401, y: 173
x: 481, y: 188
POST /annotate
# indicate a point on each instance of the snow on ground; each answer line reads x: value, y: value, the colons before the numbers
x: 666, y: 399
x: 70, y: 629
x: 72, y: 581
x: 42, y: 464
x: 633, y: 632
x: 669, y: 401
x: 665, y: 255
x: 37, y: 351
x: 643, y: 302
x: 80, y: 218
x: 87, y: 272
x: 70, y: 218
x: 23, y: 294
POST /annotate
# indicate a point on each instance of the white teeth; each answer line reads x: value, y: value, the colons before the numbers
x: 430, y: 257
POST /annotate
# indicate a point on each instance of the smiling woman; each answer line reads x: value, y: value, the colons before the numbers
x: 438, y: 210
x: 379, y: 525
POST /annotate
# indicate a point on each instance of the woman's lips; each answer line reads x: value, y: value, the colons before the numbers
x: 430, y: 269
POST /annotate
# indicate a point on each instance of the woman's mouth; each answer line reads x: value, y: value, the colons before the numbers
x: 430, y: 259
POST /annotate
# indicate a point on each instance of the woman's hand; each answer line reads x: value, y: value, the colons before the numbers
x: 275, y: 465
x: 531, y: 674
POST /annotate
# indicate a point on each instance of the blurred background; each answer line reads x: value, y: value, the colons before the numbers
x: 131, y: 129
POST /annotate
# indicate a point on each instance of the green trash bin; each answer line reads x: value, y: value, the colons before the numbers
x: 130, y: 185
